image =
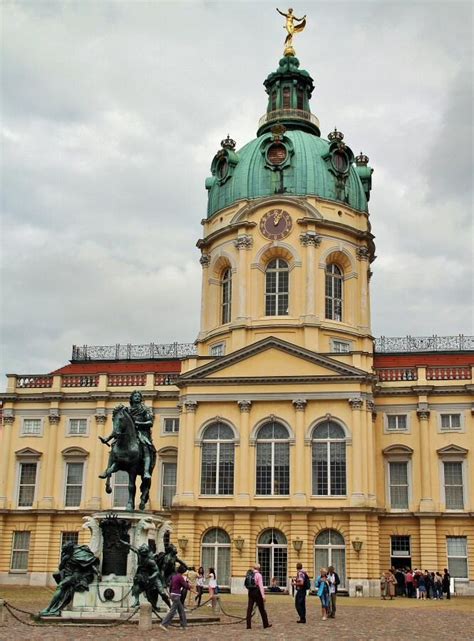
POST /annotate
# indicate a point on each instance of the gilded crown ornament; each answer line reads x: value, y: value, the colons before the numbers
x: 361, y: 159
x: 336, y: 135
x: 291, y: 28
x: 228, y: 143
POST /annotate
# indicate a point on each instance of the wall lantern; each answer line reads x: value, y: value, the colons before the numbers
x: 239, y: 543
x: 357, y: 545
x: 298, y: 544
x: 183, y: 542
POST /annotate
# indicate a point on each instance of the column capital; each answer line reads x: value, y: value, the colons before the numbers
x: 362, y: 253
x: 310, y: 238
x: 243, y: 241
x: 54, y: 417
x: 423, y: 414
x: 191, y: 406
x: 100, y: 419
x: 8, y: 417
x: 205, y: 260
x: 244, y: 406
x: 299, y: 404
x: 355, y: 403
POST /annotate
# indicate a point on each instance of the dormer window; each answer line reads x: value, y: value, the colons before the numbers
x: 340, y: 161
x: 222, y: 168
x: 276, y: 154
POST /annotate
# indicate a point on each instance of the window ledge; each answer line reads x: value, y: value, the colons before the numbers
x: 332, y: 496
x: 272, y: 496
x: 17, y: 571
x: 216, y: 496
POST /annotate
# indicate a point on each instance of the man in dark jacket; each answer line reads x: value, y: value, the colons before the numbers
x: 334, y: 581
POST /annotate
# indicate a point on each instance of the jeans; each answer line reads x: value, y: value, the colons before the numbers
x: 176, y: 605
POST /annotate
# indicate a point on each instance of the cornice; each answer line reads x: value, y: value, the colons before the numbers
x: 270, y: 380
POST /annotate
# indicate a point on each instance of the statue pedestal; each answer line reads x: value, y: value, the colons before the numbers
x: 112, y: 596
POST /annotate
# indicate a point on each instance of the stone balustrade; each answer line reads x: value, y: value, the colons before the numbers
x: 127, y: 380
x: 397, y: 374
x: 448, y: 373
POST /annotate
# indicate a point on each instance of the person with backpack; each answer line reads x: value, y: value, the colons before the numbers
x: 256, y: 595
x: 334, y: 581
x: 303, y: 584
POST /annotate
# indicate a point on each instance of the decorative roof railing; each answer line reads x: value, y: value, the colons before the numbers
x: 288, y: 114
x: 132, y: 352
x: 434, y: 343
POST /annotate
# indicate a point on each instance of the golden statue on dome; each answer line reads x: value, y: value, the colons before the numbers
x: 291, y: 28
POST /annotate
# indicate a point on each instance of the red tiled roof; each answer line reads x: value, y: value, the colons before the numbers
x: 433, y: 360
x: 120, y: 367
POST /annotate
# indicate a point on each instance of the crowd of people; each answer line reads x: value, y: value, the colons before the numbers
x: 415, y: 584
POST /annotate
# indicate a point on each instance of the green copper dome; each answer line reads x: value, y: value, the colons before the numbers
x: 288, y: 156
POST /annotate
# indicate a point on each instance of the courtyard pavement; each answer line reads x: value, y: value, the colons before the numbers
x: 357, y: 620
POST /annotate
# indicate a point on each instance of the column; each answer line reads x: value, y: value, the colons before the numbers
x: 371, y: 463
x: 205, y: 262
x: 51, y: 462
x: 426, y: 500
x: 188, y: 480
x: 245, y: 474
x: 363, y: 257
x: 100, y: 419
x: 243, y: 243
x: 310, y: 240
x: 8, y: 421
x: 299, y: 466
x: 357, y: 494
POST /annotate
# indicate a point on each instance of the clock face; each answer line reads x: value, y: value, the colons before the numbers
x: 276, y: 224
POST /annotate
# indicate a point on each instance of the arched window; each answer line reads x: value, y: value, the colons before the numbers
x: 329, y: 460
x: 330, y: 549
x: 273, y: 460
x: 215, y: 553
x: 272, y: 554
x: 226, y: 285
x: 333, y: 292
x: 217, y: 471
x: 276, y: 288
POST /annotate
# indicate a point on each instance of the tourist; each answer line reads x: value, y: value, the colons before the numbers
x: 334, y: 581
x: 212, y: 585
x: 421, y: 586
x: 400, y: 578
x: 191, y: 575
x: 409, y: 584
x: 199, y: 586
x: 274, y: 587
x: 256, y: 595
x: 302, y: 585
x: 178, y: 584
x: 438, y: 586
x: 322, y: 586
x: 391, y: 582
x: 446, y: 583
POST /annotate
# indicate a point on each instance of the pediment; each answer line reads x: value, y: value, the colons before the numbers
x: 273, y: 358
x: 452, y: 450
x: 307, y: 210
x: 28, y: 452
x: 74, y: 452
x: 397, y: 449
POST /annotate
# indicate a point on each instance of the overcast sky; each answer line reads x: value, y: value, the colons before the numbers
x: 113, y: 111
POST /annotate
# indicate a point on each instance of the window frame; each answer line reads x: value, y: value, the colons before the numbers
x: 329, y: 441
x: 217, y: 441
x: 272, y: 547
x: 70, y: 434
x: 162, y: 484
x: 460, y: 462
x: 466, y: 557
x: 226, y: 296
x: 14, y: 549
x: 74, y: 461
x: 24, y: 419
x: 174, y: 432
x: 116, y: 485
x: 390, y: 485
x: 331, y: 300
x: 450, y: 413
x: 397, y: 414
x: 273, y: 441
x: 278, y: 293
x: 218, y: 349
x: 338, y: 341
x: 20, y: 463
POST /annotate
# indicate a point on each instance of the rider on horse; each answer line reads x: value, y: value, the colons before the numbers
x: 143, y: 418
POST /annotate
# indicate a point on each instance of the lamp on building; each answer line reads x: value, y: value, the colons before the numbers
x: 239, y: 543
x: 357, y: 545
x: 183, y: 543
x: 298, y: 544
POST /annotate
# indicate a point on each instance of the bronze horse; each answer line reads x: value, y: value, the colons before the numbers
x: 127, y: 455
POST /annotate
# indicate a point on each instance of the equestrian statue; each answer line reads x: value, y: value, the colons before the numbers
x: 132, y: 448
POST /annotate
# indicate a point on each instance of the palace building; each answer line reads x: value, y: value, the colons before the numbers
x: 285, y: 433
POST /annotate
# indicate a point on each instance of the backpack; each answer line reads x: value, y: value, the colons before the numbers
x: 249, y: 581
x: 306, y: 582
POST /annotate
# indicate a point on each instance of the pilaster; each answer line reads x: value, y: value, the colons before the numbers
x: 426, y: 500
x: 299, y: 494
x: 357, y: 494
x: 243, y: 479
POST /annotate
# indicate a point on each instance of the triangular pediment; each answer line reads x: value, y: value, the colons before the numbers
x: 273, y: 358
x: 28, y: 452
x: 452, y: 450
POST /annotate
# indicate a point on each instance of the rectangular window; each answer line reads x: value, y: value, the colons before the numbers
x: 31, y: 427
x: 273, y: 469
x: 77, y: 427
x: 171, y: 425
x: 286, y: 98
x: 450, y: 421
x: 69, y: 537
x: 168, y: 485
x: 457, y: 556
x: 400, y: 546
x: 299, y: 99
x: 120, y: 489
x: 397, y: 422
x: 273, y: 101
x: 453, y: 485
x: 341, y: 347
x: 27, y: 484
x: 398, y: 479
x: 329, y: 469
x: 20, y: 551
x: 218, y: 350
x: 74, y: 474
